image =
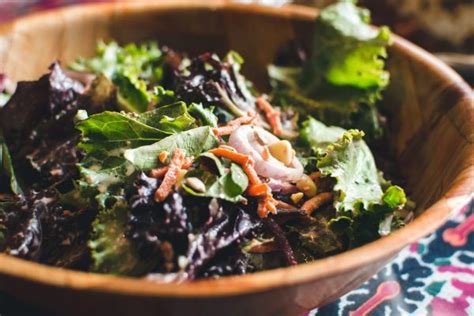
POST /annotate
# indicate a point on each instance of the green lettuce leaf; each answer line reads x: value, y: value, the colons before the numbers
x: 108, y: 131
x: 131, y: 68
x: 193, y: 142
x: 205, y: 116
x: 172, y: 118
x: 318, y: 136
x: 349, y: 52
x: 350, y: 162
x: 344, y: 76
x: 133, y: 95
x: 106, y: 136
x: 108, y: 176
x: 144, y: 60
x: 363, y: 200
x: 111, y: 251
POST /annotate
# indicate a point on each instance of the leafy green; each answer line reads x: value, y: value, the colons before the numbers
x: 316, y: 135
x: 204, y: 115
x: 111, y: 58
x: 228, y: 183
x: 344, y: 76
x: 132, y: 93
x: 172, y: 118
x: 106, y: 175
x: 107, y: 131
x: 362, y: 205
x: 111, y: 251
x: 349, y: 50
x: 394, y: 197
x: 163, y: 96
x: 130, y: 68
x: 7, y: 168
x: 106, y: 137
x: 110, y: 133
x: 193, y: 142
x: 350, y: 161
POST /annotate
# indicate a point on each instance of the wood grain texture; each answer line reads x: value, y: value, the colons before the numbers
x: 431, y: 131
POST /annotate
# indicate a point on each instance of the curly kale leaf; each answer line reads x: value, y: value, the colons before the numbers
x: 348, y: 53
x: 112, y: 252
x: 318, y: 136
x: 360, y: 201
x: 344, y: 76
x: 350, y: 161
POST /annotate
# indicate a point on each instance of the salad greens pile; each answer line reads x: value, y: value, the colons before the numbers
x: 343, y: 78
x: 144, y: 161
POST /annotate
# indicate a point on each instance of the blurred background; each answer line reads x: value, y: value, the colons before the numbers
x: 444, y: 27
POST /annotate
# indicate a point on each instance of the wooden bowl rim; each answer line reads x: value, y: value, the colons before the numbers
x: 432, y: 218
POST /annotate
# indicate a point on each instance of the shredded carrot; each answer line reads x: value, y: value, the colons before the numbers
x: 234, y: 124
x: 162, y: 156
x: 259, y: 189
x: 239, y: 158
x: 284, y: 205
x: 171, y: 175
x: 315, y: 202
x: 266, y: 204
x: 273, y: 116
x: 159, y: 172
x: 252, y: 174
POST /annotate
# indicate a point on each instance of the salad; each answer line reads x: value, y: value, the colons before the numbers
x: 149, y: 162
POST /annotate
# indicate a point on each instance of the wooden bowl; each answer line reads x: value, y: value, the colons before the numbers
x: 431, y: 130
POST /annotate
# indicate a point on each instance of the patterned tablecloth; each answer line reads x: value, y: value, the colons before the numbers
x: 434, y: 276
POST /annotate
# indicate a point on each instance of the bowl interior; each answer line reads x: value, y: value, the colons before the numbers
x: 431, y: 132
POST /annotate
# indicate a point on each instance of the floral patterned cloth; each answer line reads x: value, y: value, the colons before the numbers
x: 434, y: 276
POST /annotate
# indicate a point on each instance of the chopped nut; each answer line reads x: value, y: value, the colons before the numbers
x: 307, y: 186
x: 182, y: 262
x: 282, y: 151
x: 296, y: 197
x: 196, y: 184
x: 162, y: 156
